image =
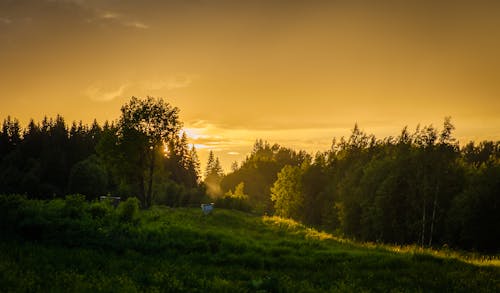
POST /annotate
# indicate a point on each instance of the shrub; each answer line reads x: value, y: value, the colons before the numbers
x: 10, y: 207
x: 100, y: 209
x: 235, y: 200
x: 88, y: 177
x: 74, y: 206
x: 229, y: 202
x: 128, y: 210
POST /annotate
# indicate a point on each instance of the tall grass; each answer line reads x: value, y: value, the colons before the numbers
x: 52, y: 246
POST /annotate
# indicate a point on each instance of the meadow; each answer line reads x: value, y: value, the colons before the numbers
x: 74, y: 246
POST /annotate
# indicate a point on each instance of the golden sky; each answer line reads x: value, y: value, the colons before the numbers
x: 293, y: 72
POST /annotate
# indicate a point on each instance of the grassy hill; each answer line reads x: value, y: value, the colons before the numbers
x: 174, y: 250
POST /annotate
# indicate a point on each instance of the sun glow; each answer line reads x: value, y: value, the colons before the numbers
x: 257, y: 79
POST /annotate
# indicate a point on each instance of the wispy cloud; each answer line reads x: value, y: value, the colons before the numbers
x: 169, y: 83
x: 98, y: 92
x: 136, y: 24
x: 5, y: 20
x: 119, y: 18
x: 109, y: 15
x: 112, y: 17
x: 79, y: 2
x: 102, y: 95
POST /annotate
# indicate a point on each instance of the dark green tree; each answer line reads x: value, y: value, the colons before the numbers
x: 287, y: 193
x: 89, y: 178
x: 259, y: 172
x: 145, y: 127
x: 213, y: 175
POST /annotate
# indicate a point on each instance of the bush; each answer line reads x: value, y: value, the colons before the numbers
x: 237, y: 200
x: 10, y: 206
x: 88, y: 177
x: 128, y: 210
x: 100, y: 209
x: 176, y: 195
x: 74, y: 206
x: 229, y: 202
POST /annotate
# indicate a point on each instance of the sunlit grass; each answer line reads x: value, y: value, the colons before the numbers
x: 295, y: 228
x: 182, y: 250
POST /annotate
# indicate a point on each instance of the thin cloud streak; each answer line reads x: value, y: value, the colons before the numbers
x: 169, y: 83
x: 101, y: 95
x: 5, y: 20
x: 109, y: 15
x: 136, y: 24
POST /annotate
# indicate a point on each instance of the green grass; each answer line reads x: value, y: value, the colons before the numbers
x: 176, y: 250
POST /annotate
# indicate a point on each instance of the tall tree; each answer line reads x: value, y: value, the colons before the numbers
x: 287, y: 193
x: 145, y: 127
x: 10, y: 136
x: 182, y: 162
x: 213, y: 175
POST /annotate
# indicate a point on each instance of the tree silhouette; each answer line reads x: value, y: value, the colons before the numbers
x: 213, y: 175
x: 145, y: 127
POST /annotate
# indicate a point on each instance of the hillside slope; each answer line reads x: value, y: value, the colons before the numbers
x: 174, y: 250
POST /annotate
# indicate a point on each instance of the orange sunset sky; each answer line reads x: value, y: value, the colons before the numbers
x: 293, y: 72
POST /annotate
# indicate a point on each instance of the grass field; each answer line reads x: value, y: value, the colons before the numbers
x: 175, y: 250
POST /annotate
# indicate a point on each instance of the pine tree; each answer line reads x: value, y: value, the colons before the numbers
x: 213, y: 175
x: 234, y: 166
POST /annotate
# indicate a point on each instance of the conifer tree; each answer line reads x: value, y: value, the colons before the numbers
x: 213, y: 175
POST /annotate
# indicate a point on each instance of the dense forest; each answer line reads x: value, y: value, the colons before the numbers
x: 418, y: 187
x: 143, y: 154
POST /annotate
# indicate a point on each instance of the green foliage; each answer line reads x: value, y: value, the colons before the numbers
x: 145, y: 126
x: 74, y: 205
x: 475, y: 209
x: 415, y: 188
x: 100, y: 209
x: 235, y: 200
x: 182, y: 162
x: 213, y: 175
x: 10, y: 211
x: 259, y: 171
x: 287, y: 194
x: 128, y: 210
x: 88, y: 177
x: 174, y: 194
x: 179, y: 250
x: 50, y: 159
x: 239, y: 192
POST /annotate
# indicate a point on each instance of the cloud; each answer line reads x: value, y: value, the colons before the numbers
x: 96, y: 14
x: 109, y: 15
x: 121, y: 19
x: 105, y: 94
x: 169, y: 83
x: 5, y: 20
x: 102, y: 95
x: 136, y: 24
x: 79, y: 2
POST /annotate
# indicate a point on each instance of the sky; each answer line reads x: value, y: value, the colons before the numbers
x: 297, y: 73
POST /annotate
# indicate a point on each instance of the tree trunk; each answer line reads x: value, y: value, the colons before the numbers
x: 150, y: 179
x: 424, y: 209
x: 142, y: 190
x: 423, y: 225
x: 433, y: 213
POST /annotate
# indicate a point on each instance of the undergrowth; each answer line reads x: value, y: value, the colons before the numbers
x: 73, y: 246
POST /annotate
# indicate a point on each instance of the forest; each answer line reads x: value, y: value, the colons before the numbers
x: 418, y: 187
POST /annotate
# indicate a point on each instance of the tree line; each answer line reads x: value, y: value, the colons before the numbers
x: 144, y: 154
x: 418, y: 187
